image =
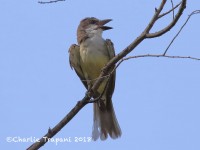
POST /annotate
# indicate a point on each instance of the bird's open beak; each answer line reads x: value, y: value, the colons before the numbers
x: 101, y: 24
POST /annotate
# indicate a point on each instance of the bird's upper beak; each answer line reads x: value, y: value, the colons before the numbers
x: 101, y: 24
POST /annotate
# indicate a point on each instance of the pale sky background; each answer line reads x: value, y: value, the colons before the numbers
x: 156, y: 100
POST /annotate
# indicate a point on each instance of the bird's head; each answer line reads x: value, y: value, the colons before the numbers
x: 91, y: 26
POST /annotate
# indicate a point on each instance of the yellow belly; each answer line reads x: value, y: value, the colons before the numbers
x: 92, y: 66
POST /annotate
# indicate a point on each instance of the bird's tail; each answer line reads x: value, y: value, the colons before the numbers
x: 105, y: 122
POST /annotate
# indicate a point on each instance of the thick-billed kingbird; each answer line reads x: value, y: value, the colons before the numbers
x: 88, y: 58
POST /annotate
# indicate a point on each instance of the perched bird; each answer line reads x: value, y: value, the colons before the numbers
x: 88, y: 58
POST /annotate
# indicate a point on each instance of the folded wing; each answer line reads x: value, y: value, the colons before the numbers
x: 74, y: 60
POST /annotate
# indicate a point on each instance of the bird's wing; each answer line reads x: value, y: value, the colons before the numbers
x: 74, y: 60
x: 111, y: 84
x: 110, y: 47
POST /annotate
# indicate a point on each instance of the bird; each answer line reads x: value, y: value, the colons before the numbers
x: 88, y: 58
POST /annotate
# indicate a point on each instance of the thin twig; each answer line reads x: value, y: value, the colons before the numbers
x: 88, y: 80
x: 155, y: 17
x: 193, y: 13
x: 104, y: 90
x: 54, y: 1
x: 173, y: 8
x: 171, y: 25
x: 160, y: 55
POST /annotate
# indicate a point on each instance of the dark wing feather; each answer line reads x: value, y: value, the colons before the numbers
x: 111, y: 84
x: 74, y: 60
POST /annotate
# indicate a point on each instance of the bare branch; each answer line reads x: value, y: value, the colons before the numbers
x: 173, y: 7
x: 160, y: 55
x: 61, y: 124
x: 166, y: 13
x: 130, y: 48
x: 171, y: 25
x: 54, y: 1
x: 104, y: 90
x: 155, y: 17
x: 193, y: 13
x: 139, y: 56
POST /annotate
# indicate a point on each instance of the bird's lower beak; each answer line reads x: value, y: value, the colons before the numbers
x: 101, y: 24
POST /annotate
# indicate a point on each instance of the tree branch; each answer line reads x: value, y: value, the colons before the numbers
x: 193, y: 13
x: 171, y: 25
x: 54, y: 1
x: 166, y: 13
x: 160, y: 55
x: 130, y: 48
x: 173, y: 7
x: 108, y: 69
x: 51, y: 132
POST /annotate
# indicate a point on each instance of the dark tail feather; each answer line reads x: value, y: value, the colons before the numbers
x: 105, y: 123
